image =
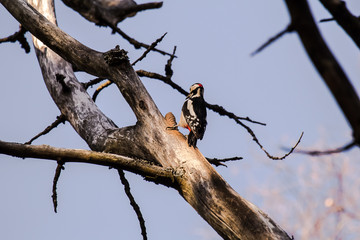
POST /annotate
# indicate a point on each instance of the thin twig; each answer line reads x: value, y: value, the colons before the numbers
x: 100, y: 88
x: 151, y: 47
x: 143, y: 73
x: 287, y: 154
x: 133, y: 203
x: 327, y: 20
x: 168, y: 70
x: 108, y: 83
x: 222, y: 112
x: 59, y: 119
x: 219, y: 162
x: 134, y: 42
x: 59, y: 167
x: 329, y: 151
x: 93, y: 82
x: 20, y: 37
x: 256, y: 140
x: 288, y: 29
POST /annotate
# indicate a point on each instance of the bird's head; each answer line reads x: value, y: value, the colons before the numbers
x: 196, y: 90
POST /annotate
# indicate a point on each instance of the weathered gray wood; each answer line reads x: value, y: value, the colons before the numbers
x: 68, y: 94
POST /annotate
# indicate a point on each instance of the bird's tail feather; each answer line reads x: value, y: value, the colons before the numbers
x: 192, y: 140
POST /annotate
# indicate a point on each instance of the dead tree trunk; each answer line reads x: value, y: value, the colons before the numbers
x: 198, y: 183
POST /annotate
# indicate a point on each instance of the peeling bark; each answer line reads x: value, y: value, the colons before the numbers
x: 67, y: 92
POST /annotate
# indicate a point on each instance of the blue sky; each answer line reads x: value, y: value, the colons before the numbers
x: 279, y: 86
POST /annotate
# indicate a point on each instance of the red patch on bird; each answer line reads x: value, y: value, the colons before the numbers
x: 188, y: 127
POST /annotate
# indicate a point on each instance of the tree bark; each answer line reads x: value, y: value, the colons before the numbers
x: 231, y: 216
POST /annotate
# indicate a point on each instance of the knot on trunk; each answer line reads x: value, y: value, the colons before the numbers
x: 116, y: 56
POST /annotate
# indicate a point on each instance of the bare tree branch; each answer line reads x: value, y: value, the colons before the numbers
x: 138, y: 166
x: 288, y: 29
x: 108, y: 83
x: 100, y: 88
x: 326, y: 64
x: 20, y: 37
x: 92, y: 82
x: 133, y: 203
x: 134, y: 42
x: 151, y: 47
x: 143, y: 73
x: 349, y: 22
x: 341, y: 149
x: 59, y: 167
x: 70, y: 48
x: 223, y: 112
x: 168, y: 67
x: 59, y: 119
x: 290, y: 151
x: 219, y: 162
x: 327, y: 20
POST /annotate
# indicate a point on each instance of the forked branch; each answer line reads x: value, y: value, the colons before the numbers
x: 20, y: 37
x: 133, y: 41
x: 109, y: 82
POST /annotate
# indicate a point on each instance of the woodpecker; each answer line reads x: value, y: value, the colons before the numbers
x: 193, y: 114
